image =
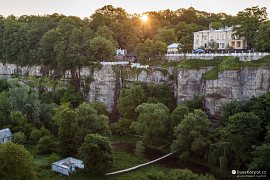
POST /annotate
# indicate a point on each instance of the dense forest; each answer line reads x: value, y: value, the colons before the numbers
x: 68, y: 42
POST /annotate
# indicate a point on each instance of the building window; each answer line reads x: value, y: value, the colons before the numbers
x: 205, y: 45
x: 222, y: 45
x: 238, y: 44
x: 212, y: 37
x: 197, y: 35
x: 197, y: 41
x: 205, y: 37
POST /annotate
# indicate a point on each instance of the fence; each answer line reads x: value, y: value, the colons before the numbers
x: 242, y: 56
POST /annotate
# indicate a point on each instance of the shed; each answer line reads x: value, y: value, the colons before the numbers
x: 5, y: 135
x: 67, y: 166
x: 173, y: 48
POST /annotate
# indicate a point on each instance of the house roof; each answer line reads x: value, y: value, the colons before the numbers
x: 173, y: 46
x: 5, y: 133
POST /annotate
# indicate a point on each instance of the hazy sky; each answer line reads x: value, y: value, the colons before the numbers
x: 84, y: 8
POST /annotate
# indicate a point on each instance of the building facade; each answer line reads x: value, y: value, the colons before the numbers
x: 220, y: 39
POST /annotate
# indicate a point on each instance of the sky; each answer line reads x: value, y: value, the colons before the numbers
x: 84, y: 8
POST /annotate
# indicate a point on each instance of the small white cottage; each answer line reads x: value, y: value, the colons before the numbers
x: 5, y: 135
x: 67, y: 166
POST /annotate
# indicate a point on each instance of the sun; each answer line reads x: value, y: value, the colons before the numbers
x: 144, y: 18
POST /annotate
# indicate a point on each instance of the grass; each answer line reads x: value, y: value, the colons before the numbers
x: 198, y: 63
x: 232, y: 63
x: 122, y: 160
x: 125, y: 138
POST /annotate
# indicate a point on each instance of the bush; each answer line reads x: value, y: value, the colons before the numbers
x: 19, y: 138
x: 47, y: 145
x: 35, y: 135
x: 16, y: 162
x: 122, y: 127
x: 187, y: 175
x: 53, y: 158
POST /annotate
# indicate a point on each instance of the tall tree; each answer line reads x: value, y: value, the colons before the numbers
x: 250, y: 20
x: 68, y: 132
x: 153, y: 123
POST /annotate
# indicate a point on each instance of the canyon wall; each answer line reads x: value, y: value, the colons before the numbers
x: 107, y: 82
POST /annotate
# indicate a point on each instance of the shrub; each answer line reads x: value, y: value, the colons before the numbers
x: 122, y: 127
x: 47, y: 145
x: 19, y: 138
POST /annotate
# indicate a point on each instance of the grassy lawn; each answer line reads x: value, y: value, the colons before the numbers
x: 122, y: 160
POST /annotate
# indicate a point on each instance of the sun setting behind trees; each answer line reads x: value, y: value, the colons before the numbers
x: 144, y: 18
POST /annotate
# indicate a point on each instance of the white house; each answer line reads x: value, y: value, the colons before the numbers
x: 67, y: 166
x: 173, y: 48
x: 223, y: 37
x: 5, y: 135
x: 121, y: 52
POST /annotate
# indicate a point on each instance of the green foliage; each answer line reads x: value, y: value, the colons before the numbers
x: 100, y: 107
x: 261, y: 157
x: 197, y: 64
x: 16, y: 162
x: 68, y: 132
x: 153, y: 123
x: 240, y: 135
x: 166, y: 35
x: 19, y: 138
x: 187, y: 175
x: 178, y: 114
x: 35, y: 135
x: 73, y: 97
x: 250, y: 20
x: 91, y: 122
x: 96, y: 153
x: 262, y: 38
x: 122, y: 127
x: 22, y: 98
x: 229, y: 109
x: 192, y: 134
x: 101, y: 49
x: 195, y: 103
x: 4, y: 109
x: 130, y: 98
x: 48, y: 144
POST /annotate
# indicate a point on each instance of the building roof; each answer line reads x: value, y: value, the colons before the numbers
x: 65, y: 163
x: 226, y: 29
x: 173, y: 45
x: 5, y: 133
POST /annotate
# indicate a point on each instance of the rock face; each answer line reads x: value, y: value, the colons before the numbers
x: 230, y: 85
x: 102, y: 87
x: 107, y: 82
x: 235, y: 85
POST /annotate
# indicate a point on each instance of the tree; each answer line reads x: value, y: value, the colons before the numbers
x: 90, y: 122
x: 47, y: 145
x: 130, y: 98
x: 159, y: 48
x: 192, y: 135
x: 101, y: 49
x: 178, y: 115
x: 96, y: 153
x: 153, y: 123
x: 4, y: 109
x: 187, y: 175
x: 261, y: 158
x: 166, y: 35
x: 16, y: 162
x: 250, y: 20
x: 144, y: 50
x: 22, y: 98
x: 68, y: 132
x: 263, y: 37
x: 241, y: 134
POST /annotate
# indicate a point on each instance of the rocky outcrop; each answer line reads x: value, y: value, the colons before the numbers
x: 106, y: 83
x: 238, y: 85
x: 231, y: 85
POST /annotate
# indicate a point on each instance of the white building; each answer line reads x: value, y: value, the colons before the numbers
x: 5, y: 135
x: 224, y: 38
x: 173, y: 48
x: 67, y: 166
